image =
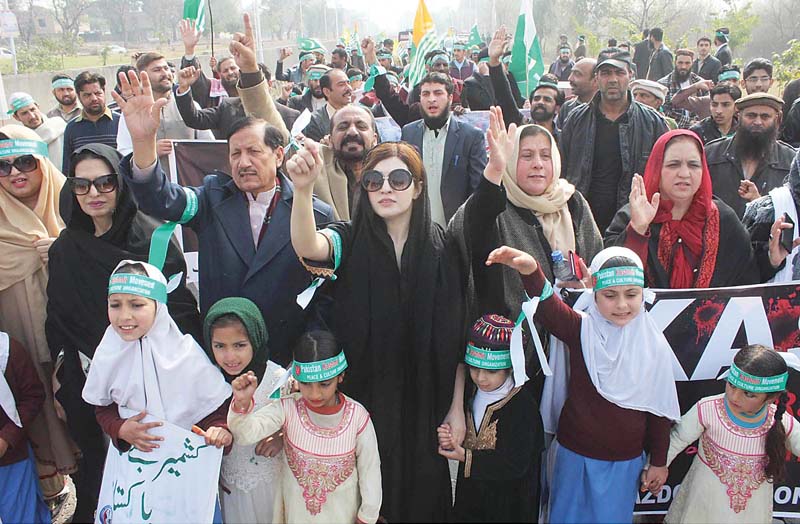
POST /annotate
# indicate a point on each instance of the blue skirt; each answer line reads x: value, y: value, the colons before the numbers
x: 21, y: 498
x: 591, y: 490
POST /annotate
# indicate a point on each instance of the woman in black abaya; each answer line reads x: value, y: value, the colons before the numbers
x: 103, y: 227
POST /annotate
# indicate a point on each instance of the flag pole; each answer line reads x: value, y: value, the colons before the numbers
x: 211, y: 25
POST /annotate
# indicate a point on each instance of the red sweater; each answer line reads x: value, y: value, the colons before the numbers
x: 110, y: 421
x: 29, y: 396
x: 591, y: 425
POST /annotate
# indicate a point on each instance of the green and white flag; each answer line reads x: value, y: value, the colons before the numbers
x: 195, y: 10
x: 423, y: 40
x: 474, y: 36
x: 527, y: 65
x: 310, y: 44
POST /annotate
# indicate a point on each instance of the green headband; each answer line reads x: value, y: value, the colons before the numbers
x: 319, y: 371
x: 459, y: 47
x: 384, y: 56
x: 507, y: 59
x: 19, y: 146
x: 138, y: 285
x: 62, y: 82
x: 484, y: 59
x: 546, y: 83
x: 618, y: 276
x: 19, y: 103
x: 307, y: 56
x: 720, y: 34
x: 486, y: 358
x: 315, y: 74
x: 356, y: 77
x: 729, y: 75
x: 753, y: 384
x: 440, y: 56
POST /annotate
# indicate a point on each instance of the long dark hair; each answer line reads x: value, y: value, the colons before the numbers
x: 762, y: 361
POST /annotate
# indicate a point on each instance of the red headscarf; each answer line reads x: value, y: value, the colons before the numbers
x: 697, y: 232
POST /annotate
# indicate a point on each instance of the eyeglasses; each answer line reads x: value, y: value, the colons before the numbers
x: 758, y: 79
x: 103, y: 184
x: 399, y: 180
x: 23, y: 164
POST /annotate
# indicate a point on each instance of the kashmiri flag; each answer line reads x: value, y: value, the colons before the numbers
x: 423, y: 41
x: 195, y: 10
x: 310, y: 44
x: 474, y: 36
x: 527, y: 65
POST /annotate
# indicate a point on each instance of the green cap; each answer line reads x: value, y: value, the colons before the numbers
x: 18, y: 101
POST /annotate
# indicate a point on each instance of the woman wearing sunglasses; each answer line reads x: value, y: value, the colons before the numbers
x: 29, y: 223
x: 397, y: 315
x: 103, y: 227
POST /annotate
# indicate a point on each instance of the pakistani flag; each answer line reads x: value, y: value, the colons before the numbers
x: 527, y: 65
x: 423, y: 41
x: 195, y: 10
x: 474, y: 37
x: 310, y: 45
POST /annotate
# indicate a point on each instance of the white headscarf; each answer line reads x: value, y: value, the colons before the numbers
x: 165, y: 373
x: 631, y: 366
x: 7, y: 402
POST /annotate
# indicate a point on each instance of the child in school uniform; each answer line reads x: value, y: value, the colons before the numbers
x: 744, y: 434
x: 236, y: 339
x: 621, y: 395
x: 498, y: 471
x: 332, y: 466
x: 145, y: 366
x: 21, y: 399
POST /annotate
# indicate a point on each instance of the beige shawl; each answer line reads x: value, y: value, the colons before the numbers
x: 551, y: 206
x: 20, y: 226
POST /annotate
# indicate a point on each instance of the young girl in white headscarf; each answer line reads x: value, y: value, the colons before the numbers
x: 144, y: 366
x: 621, y: 393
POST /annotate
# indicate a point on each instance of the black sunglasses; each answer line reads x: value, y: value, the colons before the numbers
x: 399, y: 180
x: 103, y: 184
x: 23, y: 164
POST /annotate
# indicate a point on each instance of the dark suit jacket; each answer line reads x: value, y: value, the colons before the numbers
x: 724, y: 55
x: 709, y: 68
x: 641, y: 57
x: 230, y: 264
x: 463, y: 162
x: 319, y: 126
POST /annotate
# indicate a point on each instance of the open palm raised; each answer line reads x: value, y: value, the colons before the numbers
x: 142, y: 112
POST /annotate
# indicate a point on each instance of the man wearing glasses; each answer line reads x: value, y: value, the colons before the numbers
x: 757, y: 76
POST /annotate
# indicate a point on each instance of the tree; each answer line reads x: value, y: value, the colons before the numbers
x: 68, y: 14
x: 787, y: 63
x: 741, y: 22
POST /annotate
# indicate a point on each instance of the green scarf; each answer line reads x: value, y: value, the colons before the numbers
x: 250, y: 316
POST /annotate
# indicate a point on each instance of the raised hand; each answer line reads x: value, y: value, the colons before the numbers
x: 642, y: 211
x: 777, y: 253
x: 244, y: 387
x: 501, y: 145
x: 748, y: 190
x: 186, y: 78
x: 243, y: 48
x: 142, y: 112
x: 368, y: 48
x: 497, y: 46
x: 524, y: 263
x: 190, y: 35
x: 134, y: 432
x: 305, y: 166
x: 286, y: 90
x: 285, y: 53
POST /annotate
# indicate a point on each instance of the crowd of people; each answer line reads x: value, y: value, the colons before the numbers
x: 392, y: 281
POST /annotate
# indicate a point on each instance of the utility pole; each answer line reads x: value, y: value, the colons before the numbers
x: 11, y: 37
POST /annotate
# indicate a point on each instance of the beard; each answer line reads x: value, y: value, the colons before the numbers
x: 541, y: 114
x: 229, y: 84
x: 347, y: 157
x: 754, y: 144
x: 681, y: 76
x: 67, y: 100
x: 436, y: 122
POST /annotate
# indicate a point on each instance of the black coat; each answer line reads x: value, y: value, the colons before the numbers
x: 499, y: 481
x: 708, y: 68
x: 791, y: 125
x: 661, y: 64
x: 735, y: 265
x: 726, y: 170
x: 641, y: 57
x: 636, y: 138
x: 724, y: 54
x: 478, y: 93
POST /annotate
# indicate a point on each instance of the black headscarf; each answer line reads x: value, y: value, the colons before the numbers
x: 81, y: 264
x: 401, y: 331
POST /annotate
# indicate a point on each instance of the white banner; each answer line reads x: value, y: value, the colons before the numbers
x: 173, y: 484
